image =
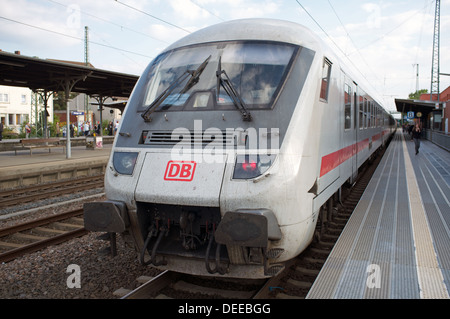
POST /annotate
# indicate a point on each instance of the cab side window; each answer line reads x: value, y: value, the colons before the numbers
x: 326, y: 72
x: 347, y: 106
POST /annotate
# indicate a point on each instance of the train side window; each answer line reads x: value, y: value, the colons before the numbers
x: 374, y: 115
x: 347, y: 106
x: 378, y: 116
x: 365, y: 113
x: 361, y: 112
x: 326, y: 73
x: 355, y: 109
x: 377, y: 121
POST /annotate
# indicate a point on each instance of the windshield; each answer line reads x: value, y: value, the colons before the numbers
x: 257, y: 70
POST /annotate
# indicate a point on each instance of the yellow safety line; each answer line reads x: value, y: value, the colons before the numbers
x: 431, y: 280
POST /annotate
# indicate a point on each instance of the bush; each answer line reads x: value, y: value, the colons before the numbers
x: 8, y: 133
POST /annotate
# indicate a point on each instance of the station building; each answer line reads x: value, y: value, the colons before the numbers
x: 431, y: 113
x: 439, y: 120
x: 19, y: 105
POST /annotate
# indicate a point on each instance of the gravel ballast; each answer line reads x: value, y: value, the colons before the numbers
x: 46, y: 274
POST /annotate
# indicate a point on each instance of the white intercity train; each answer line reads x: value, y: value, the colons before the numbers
x: 233, y: 139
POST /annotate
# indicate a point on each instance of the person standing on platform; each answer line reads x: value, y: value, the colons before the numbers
x: 86, y: 128
x: 416, y: 137
x: 116, y: 126
x: 110, y: 128
x: 98, y: 128
x: 27, y: 130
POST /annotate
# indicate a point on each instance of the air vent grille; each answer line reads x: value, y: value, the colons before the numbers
x: 168, y: 138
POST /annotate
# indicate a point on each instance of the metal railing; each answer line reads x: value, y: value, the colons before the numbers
x: 439, y: 138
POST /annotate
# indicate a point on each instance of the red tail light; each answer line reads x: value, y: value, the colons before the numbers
x: 249, y: 166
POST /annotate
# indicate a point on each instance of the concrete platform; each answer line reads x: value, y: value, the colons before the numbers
x: 396, y: 244
x: 44, y: 166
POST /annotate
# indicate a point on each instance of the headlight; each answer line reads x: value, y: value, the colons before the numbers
x: 251, y: 166
x: 124, y: 162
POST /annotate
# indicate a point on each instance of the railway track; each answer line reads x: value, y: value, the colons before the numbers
x: 294, y: 282
x: 297, y: 279
x: 169, y: 284
x: 25, y: 238
x: 28, y: 194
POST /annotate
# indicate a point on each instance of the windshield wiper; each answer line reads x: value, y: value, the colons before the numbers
x: 194, y: 78
x: 231, y: 91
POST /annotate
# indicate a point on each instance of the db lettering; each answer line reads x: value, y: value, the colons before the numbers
x: 180, y: 171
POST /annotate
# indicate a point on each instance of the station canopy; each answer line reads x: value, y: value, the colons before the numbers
x: 417, y: 106
x: 54, y: 75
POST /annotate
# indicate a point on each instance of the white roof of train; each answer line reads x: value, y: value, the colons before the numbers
x: 252, y: 29
x: 267, y: 30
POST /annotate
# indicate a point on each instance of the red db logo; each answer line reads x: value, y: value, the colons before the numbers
x: 180, y: 171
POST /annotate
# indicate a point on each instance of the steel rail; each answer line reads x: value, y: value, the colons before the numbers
x: 39, y: 187
x: 40, y: 244
x: 24, y: 197
x: 152, y: 286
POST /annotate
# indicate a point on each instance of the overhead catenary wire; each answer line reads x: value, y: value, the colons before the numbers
x: 152, y: 16
x: 72, y: 36
x: 353, y: 43
x: 122, y: 27
x: 351, y: 40
x: 357, y: 49
x: 318, y: 24
x: 415, y: 64
x: 210, y: 12
x: 122, y: 53
x: 381, y: 37
x: 337, y: 46
x: 427, y: 7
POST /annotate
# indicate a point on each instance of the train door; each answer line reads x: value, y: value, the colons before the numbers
x: 354, y: 132
x: 349, y: 150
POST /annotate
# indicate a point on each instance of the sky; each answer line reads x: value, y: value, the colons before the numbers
x: 384, y: 40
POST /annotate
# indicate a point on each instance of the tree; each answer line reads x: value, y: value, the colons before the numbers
x: 416, y: 95
x: 58, y: 100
